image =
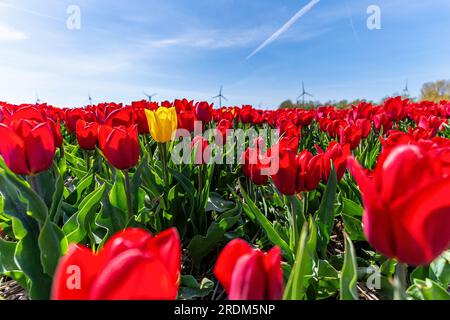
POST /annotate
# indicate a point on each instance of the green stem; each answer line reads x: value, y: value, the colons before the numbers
x: 294, y: 229
x: 400, y: 281
x: 128, y: 192
x: 305, y: 203
x: 200, y: 179
x: 32, y: 180
x: 87, y: 157
x: 163, y: 151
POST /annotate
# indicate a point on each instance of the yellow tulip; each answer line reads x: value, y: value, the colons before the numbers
x: 162, y: 123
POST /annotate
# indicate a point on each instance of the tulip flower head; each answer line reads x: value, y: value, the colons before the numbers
x: 200, y: 145
x: 162, y: 123
x: 407, y: 205
x: 133, y: 265
x: 120, y: 146
x: 250, y: 274
x: 28, y: 147
x: 87, y: 134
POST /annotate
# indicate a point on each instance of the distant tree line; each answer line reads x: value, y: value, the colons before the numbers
x: 431, y: 91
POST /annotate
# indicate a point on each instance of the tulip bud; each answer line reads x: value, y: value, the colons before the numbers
x: 120, y: 146
x: 162, y: 123
x: 406, y: 204
x: 28, y: 148
x: 133, y: 265
x: 250, y: 274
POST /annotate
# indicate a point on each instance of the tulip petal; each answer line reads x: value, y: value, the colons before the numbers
x: 274, y: 274
x: 376, y: 215
x: 75, y: 273
x: 166, y: 245
x: 40, y: 148
x: 248, y: 281
x: 12, y: 149
x: 130, y: 238
x: 134, y: 275
x: 424, y: 223
x: 226, y: 262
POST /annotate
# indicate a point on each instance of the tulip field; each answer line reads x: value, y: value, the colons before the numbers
x: 181, y: 200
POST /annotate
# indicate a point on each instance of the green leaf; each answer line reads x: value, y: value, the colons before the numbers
x: 352, y: 217
x: 27, y: 257
x: 200, y: 246
x: 427, y: 290
x: 110, y: 218
x: 190, y: 288
x: 82, y: 185
x: 440, y: 269
x: 53, y: 245
x: 351, y: 208
x: 118, y: 195
x: 303, y: 269
x: 253, y: 211
x: 218, y: 204
x: 185, y: 183
x: 36, y: 207
x: 77, y: 227
x: 328, y: 280
x: 57, y: 195
x: 7, y: 262
x: 349, y: 273
x: 325, y: 214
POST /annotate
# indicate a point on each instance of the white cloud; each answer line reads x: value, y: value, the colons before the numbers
x: 9, y: 33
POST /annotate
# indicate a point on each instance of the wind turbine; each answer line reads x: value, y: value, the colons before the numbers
x: 220, y: 96
x: 150, y: 96
x: 90, y: 99
x: 304, y: 94
x: 406, y: 90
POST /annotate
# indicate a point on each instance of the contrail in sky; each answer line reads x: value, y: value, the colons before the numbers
x: 35, y: 13
x: 286, y: 26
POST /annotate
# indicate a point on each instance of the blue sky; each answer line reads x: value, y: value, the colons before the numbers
x: 181, y: 48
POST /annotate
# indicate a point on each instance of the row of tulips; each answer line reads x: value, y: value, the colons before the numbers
x: 134, y: 265
x: 77, y: 176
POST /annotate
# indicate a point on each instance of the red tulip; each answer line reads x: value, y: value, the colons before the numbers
x: 133, y: 265
x: 253, y: 165
x: 338, y: 154
x: 407, y: 205
x: 28, y: 148
x: 186, y: 120
x: 121, y: 117
x: 250, y: 274
x: 141, y: 120
x: 286, y: 178
x: 204, y: 111
x: 247, y: 114
x: 199, y: 145
x: 351, y: 135
x: 71, y: 117
x: 56, y: 130
x: 87, y: 134
x: 297, y: 173
x: 120, y: 146
x: 309, y: 173
x: 394, y: 108
x: 222, y: 128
